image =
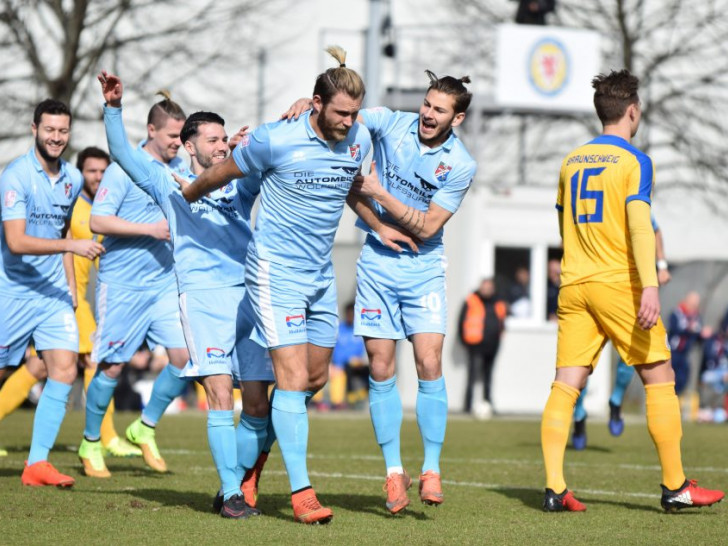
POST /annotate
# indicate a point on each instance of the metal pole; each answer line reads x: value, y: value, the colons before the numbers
x: 373, y: 51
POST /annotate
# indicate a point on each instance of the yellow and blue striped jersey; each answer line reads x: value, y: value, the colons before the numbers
x: 597, y: 181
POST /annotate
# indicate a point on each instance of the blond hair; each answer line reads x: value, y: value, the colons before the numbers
x: 338, y: 80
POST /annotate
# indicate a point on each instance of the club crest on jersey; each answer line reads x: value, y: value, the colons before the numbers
x: 67, y: 187
x: 10, y: 197
x: 101, y: 195
x: 442, y: 171
x: 227, y: 188
x: 355, y: 152
x: 215, y: 352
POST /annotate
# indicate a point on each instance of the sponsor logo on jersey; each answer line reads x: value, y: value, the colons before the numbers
x: 442, y: 171
x: 67, y: 187
x: 10, y: 197
x: 355, y: 152
x: 425, y: 184
x: 101, y: 195
x: 215, y: 352
x: 548, y: 67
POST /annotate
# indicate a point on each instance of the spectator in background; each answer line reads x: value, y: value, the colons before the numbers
x: 533, y: 12
x: 714, y: 379
x: 552, y: 288
x: 685, y: 328
x: 480, y: 327
x: 519, y: 298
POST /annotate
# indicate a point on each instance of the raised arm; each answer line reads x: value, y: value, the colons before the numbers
x: 421, y: 224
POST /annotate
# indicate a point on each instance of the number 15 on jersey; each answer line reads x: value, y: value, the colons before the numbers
x: 580, y: 192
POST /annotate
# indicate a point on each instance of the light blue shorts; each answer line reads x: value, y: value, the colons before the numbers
x: 217, y: 324
x: 125, y: 318
x: 292, y: 306
x: 398, y: 295
x: 49, y: 321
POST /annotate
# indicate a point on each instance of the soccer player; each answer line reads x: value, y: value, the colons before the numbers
x: 136, y: 292
x: 426, y: 172
x: 624, y: 373
x: 38, y: 192
x: 210, y: 242
x: 307, y: 169
x: 609, y: 291
x: 92, y: 162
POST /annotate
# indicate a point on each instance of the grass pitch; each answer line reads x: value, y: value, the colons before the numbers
x: 492, y: 471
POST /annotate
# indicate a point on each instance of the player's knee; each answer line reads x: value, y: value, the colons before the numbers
x: 112, y: 371
x: 429, y: 367
x: 220, y: 398
x: 256, y: 407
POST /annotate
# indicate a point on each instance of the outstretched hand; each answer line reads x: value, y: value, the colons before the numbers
x: 111, y: 88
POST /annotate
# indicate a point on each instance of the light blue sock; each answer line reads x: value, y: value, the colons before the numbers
x: 48, y: 418
x: 168, y: 386
x: 98, y: 397
x: 579, y: 411
x: 270, y: 438
x: 621, y: 382
x: 250, y: 435
x: 431, y: 409
x: 221, y: 437
x: 290, y: 420
x: 385, y: 408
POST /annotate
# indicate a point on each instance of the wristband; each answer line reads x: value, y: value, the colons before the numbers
x: 661, y: 264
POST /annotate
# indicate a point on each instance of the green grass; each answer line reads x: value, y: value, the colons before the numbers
x: 493, y: 489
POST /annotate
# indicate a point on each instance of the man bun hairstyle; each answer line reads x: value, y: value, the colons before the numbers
x: 52, y: 107
x: 339, y: 79
x: 613, y: 93
x: 192, y: 124
x: 452, y: 86
x: 164, y: 109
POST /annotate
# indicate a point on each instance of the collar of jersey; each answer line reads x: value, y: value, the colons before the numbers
x: 39, y: 167
x: 611, y: 139
x: 447, y: 145
x: 309, y: 128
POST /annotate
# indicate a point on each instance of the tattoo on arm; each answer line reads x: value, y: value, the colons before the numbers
x: 413, y: 220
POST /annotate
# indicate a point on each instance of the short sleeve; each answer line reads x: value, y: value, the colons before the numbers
x: 451, y: 195
x: 14, y: 197
x: 111, y: 193
x: 377, y: 119
x: 253, y: 153
x: 640, y: 180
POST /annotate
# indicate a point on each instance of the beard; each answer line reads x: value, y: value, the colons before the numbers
x: 330, y: 130
x: 44, y: 153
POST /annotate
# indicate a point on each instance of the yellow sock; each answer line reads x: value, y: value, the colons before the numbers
x: 337, y: 389
x: 665, y: 426
x: 201, y: 395
x: 15, y: 390
x: 555, y: 423
x: 108, y: 432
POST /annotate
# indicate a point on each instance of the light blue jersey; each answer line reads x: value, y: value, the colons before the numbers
x: 413, y: 173
x: 136, y: 263
x: 210, y: 236
x: 29, y: 194
x: 304, y: 188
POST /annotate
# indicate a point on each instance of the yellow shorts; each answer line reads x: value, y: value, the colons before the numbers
x: 592, y: 313
x: 86, y: 326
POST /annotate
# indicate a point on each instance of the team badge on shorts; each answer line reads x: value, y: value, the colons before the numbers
x: 215, y: 355
x: 371, y: 317
x: 10, y: 197
x: 296, y: 323
x: 442, y: 171
x: 355, y: 152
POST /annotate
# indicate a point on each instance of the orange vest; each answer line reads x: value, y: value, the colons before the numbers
x: 474, y: 322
